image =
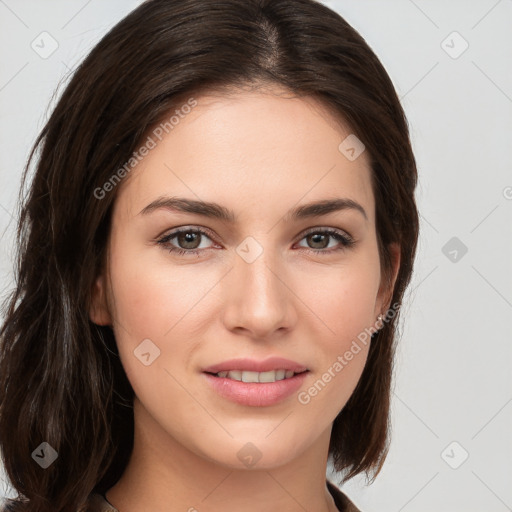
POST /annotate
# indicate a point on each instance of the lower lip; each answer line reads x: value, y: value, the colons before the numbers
x: 257, y: 394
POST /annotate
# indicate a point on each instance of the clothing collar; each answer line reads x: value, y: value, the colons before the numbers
x: 99, y: 503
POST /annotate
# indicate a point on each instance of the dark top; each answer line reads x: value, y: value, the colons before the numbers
x: 342, y: 502
x: 99, y: 503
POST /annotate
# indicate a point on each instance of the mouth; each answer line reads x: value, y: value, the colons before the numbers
x: 261, y: 377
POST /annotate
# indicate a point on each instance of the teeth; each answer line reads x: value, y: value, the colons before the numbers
x: 244, y: 376
x: 250, y: 376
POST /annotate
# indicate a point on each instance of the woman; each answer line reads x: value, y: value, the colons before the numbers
x: 212, y: 254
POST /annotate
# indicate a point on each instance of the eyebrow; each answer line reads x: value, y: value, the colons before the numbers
x: 217, y: 211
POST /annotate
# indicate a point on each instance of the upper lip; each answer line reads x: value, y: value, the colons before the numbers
x: 252, y: 365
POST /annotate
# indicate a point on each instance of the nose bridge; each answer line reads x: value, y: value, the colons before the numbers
x: 257, y: 298
x: 261, y: 277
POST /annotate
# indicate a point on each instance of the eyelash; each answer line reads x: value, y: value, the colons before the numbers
x: 345, y: 240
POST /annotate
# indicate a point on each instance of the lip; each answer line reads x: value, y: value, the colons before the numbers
x: 251, y: 365
x: 256, y: 394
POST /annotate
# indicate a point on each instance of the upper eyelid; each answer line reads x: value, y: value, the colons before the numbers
x: 326, y: 228
x: 180, y: 229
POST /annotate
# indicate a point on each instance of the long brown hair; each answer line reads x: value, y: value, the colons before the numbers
x: 61, y: 380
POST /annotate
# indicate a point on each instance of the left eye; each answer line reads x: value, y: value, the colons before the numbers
x: 320, y: 240
x: 189, y: 241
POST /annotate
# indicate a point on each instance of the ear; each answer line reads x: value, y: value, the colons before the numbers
x: 99, y: 311
x: 386, y: 289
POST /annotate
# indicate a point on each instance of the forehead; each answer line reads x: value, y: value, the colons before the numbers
x: 247, y: 148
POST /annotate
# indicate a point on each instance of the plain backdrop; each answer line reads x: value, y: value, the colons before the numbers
x: 450, y: 62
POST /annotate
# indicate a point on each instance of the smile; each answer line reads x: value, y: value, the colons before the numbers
x: 248, y: 376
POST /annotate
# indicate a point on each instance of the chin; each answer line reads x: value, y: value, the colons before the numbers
x: 253, y: 455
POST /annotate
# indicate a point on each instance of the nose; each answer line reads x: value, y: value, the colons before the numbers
x: 259, y: 300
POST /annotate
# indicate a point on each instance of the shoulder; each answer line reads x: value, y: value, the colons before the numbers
x: 342, y: 502
x: 97, y: 503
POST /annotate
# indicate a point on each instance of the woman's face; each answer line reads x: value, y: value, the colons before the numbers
x: 266, y: 283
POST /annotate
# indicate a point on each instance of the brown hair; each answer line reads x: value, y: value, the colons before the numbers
x: 61, y: 380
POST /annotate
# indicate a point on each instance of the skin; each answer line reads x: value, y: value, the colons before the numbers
x: 260, y: 154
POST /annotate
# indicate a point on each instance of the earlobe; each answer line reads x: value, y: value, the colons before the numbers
x: 99, y: 312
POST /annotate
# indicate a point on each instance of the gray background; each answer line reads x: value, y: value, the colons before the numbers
x: 453, y: 392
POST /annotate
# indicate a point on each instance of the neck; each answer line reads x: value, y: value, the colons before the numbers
x: 164, y: 475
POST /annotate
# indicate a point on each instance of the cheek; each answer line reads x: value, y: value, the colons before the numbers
x: 141, y: 301
x: 151, y: 299
x: 342, y: 304
x: 149, y: 309
x: 157, y: 302
x: 344, y: 301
